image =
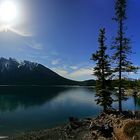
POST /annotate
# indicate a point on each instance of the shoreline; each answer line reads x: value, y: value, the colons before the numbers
x: 107, y: 126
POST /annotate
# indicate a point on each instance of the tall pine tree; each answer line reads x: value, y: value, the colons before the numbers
x: 103, y: 73
x: 121, y: 48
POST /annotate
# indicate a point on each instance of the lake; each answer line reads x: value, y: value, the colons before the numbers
x: 25, y: 108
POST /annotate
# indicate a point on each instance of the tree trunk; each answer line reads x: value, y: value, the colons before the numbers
x: 120, y: 65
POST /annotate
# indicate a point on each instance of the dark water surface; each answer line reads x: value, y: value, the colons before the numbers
x: 37, y: 107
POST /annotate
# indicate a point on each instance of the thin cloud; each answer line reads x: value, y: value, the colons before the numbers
x: 61, y: 71
x: 83, y: 72
x: 21, y: 33
x: 35, y: 45
x: 56, y: 61
x: 18, y: 32
x: 74, y: 67
x: 79, y: 75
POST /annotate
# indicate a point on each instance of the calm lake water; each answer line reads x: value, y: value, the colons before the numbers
x: 36, y: 107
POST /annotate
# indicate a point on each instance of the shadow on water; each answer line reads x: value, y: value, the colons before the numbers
x: 12, y: 97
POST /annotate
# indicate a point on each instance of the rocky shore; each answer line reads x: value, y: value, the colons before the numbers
x: 107, y: 126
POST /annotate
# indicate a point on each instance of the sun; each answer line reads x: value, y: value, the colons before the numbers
x: 8, y: 11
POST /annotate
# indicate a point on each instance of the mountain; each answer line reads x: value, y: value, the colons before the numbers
x: 13, y: 72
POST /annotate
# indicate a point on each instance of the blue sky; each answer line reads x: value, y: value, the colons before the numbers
x: 62, y: 34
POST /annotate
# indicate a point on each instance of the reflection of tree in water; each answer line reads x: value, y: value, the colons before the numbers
x: 138, y: 101
x: 13, y: 97
x: 135, y: 98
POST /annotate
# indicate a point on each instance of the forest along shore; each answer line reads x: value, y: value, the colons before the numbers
x: 132, y: 92
x: 107, y: 126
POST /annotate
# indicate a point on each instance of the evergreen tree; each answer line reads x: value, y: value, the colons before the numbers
x: 103, y: 73
x: 122, y: 48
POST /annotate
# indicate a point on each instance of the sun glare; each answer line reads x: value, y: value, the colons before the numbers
x: 8, y: 11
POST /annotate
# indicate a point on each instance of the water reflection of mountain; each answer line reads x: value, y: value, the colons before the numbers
x: 12, y: 97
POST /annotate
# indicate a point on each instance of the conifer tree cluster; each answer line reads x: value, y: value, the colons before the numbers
x: 121, y: 50
x: 103, y: 72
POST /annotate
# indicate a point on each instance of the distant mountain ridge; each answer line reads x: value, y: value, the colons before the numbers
x: 25, y: 72
x: 13, y: 72
x: 10, y: 64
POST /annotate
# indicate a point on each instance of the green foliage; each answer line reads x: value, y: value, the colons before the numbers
x: 103, y: 72
x: 127, y: 83
x: 121, y: 44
